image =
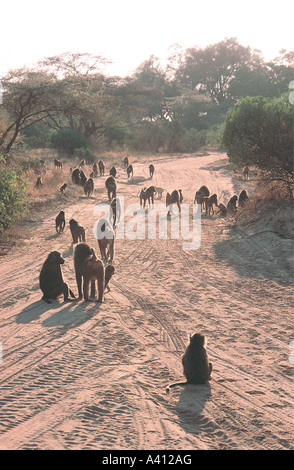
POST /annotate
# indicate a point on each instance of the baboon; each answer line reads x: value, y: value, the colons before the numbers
x: 200, y: 195
x: 51, y: 280
x: 82, y: 163
x: 60, y: 222
x: 246, y: 173
x: 109, y: 272
x: 101, y: 167
x: 243, y: 196
x: 77, y: 231
x: 196, y: 367
x: 222, y: 209
x: 76, y: 177
x: 204, y: 190
x: 115, y: 211
x: 88, y: 268
x: 89, y: 187
x: 95, y: 170
x: 126, y: 161
x: 83, y: 178
x: 112, y: 171
x: 130, y: 171
x: 151, y: 171
x: 209, y: 202
x: 173, y: 198
x: 181, y: 196
x: 147, y: 195
x: 159, y: 191
x: 232, y: 204
x: 105, y: 237
x: 110, y: 185
x: 57, y: 163
x: 39, y: 182
x: 63, y: 188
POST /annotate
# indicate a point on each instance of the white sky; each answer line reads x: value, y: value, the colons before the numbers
x: 127, y: 32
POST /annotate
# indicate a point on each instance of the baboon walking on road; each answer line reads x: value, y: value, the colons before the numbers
x: 90, y: 270
x: 77, y: 231
x: 60, y: 222
x: 110, y: 185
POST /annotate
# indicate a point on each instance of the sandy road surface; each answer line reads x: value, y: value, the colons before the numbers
x: 89, y: 376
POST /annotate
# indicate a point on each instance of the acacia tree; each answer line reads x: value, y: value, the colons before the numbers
x: 259, y: 131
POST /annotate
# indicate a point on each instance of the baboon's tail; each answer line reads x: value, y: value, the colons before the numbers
x: 72, y: 294
x: 174, y: 385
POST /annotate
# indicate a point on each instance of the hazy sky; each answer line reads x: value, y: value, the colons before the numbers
x: 128, y: 31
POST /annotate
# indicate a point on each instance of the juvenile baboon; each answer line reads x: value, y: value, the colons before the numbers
x: 109, y: 272
x: 83, y: 178
x: 39, y: 182
x: 95, y: 170
x: 101, y: 167
x: 88, y: 268
x: 105, y: 236
x: 147, y: 195
x: 209, y: 202
x: 232, y: 204
x: 130, y: 171
x: 51, y: 279
x: 112, y: 171
x: 77, y: 231
x: 115, y: 210
x: 60, y: 222
x: 173, y: 198
x: 82, y: 163
x: 159, y: 191
x: 246, y: 173
x: 63, y: 188
x: 89, y: 187
x: 110, y: 185
x: 126, y: 161
x: 196, y: 367
x: 75, y: 176
x: 57, y: 163
x: 243, y: 196
x: 222, y: 209
x: 151, y: 171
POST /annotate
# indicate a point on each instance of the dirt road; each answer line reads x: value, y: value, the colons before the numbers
x: 93, y: 376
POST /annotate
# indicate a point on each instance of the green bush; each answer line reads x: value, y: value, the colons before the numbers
x: 67, y: 141
x: 13, y: 199
x: 85, y: 154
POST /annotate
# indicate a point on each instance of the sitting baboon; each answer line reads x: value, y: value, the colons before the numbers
x: 110, y: 185
x: 222, y: 209
x: 105, y: 237
x: 89, y: 187
x: 151, y: 170
x: 130, y: 171
x: 77, y: 231
x: 173, y: 198
x: 57, y: 163
x: 83, y: 178
x: 60, y: 222
x: 126, y: 162
x: 112, y: 171
x: 101, y: 167
x: 51, y: 280
x: 232, y: 204
x: 95, y: 170
x: 196, y: 367
x: 243, y: 196
x: 109, y: 272
x: 82, y: 163
x: 39, y: 182
x: 147, y: 195
x: 209, y: 202
x: 88, y: 268
x: 246, y: 173
x: 63, y: 188
x: 76, y: 177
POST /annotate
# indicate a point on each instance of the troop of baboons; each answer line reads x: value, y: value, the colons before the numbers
x: 92, y: 273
